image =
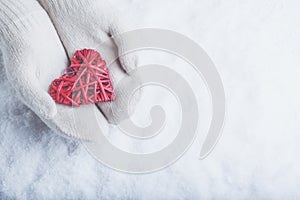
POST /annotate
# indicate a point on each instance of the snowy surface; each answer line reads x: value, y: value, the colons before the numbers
x: 255, y: 46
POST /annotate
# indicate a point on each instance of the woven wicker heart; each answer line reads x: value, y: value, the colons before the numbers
x: 85, y: 81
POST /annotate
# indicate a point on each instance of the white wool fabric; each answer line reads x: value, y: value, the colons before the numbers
x: 32, y: 53
x: 39, y: 38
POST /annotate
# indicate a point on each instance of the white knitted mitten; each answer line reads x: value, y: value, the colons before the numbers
x: 34, y: 55
x: 87, y: 24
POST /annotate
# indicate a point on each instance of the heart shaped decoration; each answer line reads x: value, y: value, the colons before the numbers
x: 85, y: 81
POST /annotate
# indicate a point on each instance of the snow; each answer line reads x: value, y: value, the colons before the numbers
x: 255, y: 46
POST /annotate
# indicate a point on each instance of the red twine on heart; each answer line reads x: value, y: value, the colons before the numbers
x: 85, y: 81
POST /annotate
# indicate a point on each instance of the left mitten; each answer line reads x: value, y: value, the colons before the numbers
x: 32, y: 53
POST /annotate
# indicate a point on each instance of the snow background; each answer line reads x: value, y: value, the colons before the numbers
x: 255, y: 46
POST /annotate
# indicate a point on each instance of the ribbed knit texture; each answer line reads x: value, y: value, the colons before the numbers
x: 18, y: 16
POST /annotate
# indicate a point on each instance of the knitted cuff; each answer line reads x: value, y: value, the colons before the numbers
x: 18, y: 16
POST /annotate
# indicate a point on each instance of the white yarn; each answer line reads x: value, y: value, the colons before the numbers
x: 36, y: 47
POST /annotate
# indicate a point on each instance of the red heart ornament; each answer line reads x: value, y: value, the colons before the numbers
x: 85, y: 81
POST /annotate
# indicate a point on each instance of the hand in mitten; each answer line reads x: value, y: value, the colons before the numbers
x: 88, y: 24
x: 34, y: 56
x: 32, y: 53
